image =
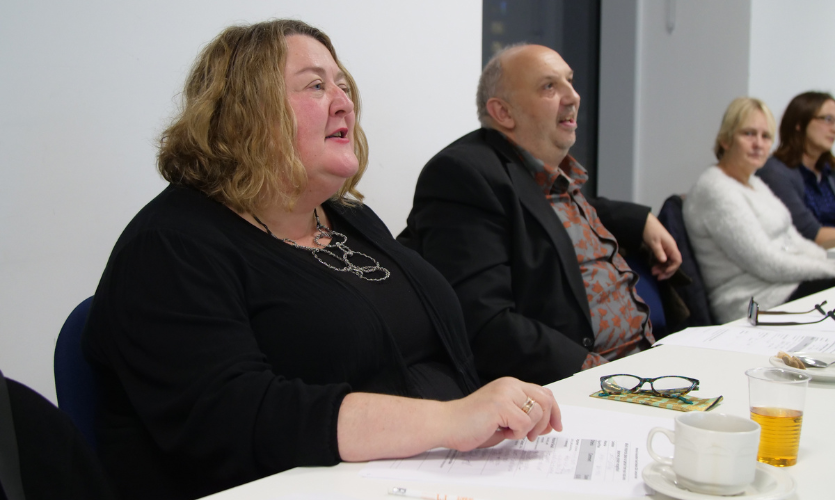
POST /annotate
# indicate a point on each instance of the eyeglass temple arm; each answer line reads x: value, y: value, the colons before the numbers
x: 830, y: 314
x: 818, y: 307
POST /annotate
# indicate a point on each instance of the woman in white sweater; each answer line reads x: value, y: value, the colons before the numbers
x: 742, y: 234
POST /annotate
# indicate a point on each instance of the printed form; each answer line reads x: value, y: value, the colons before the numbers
x: 598, y: 452
x: 752, y: 340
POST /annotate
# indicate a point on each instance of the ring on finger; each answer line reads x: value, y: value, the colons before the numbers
x: 528, y: 406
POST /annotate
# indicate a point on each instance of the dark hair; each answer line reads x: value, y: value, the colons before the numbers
x: 235, y: 136
x: 800, y: 111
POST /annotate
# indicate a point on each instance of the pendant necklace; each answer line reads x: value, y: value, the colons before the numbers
x: 338, y: 241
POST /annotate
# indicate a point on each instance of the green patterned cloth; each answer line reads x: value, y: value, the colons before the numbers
x: 649, y: 399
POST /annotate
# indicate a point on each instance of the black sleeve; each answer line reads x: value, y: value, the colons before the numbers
x: 787, y: 184
x: 624, y: 220
x: 459, y: 225
x: 179, y: 340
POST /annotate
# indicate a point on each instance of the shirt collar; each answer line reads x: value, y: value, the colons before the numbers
x: 569, y: 172
x: 810, y: 175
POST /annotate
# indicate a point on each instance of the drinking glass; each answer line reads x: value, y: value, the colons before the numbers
x: 776, y: 399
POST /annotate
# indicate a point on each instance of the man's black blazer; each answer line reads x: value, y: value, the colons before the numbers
x: 483, y: 222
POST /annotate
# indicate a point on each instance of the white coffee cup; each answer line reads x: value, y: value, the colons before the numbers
x: 714, y: 453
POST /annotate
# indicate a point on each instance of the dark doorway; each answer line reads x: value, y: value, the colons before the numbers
x: 572, y: 28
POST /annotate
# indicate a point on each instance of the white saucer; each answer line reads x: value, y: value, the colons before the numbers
x: 824, y: 374
x: 769, y: 484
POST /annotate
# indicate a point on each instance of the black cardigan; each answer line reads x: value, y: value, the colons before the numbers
x: 225, y: 356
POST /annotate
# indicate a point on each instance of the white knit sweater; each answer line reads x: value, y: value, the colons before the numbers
x: 746, y: 245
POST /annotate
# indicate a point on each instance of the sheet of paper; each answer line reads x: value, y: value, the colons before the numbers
x: 315, y: 496
x: 752, y: 340
x: 598, y: 451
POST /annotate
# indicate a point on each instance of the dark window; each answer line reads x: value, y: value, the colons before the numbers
x: 572, y: 28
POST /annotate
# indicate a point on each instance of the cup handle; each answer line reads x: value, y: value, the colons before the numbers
x: 670, y: 435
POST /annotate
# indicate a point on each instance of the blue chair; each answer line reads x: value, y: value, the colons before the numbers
x: 647, y: 289
x: 75, y: 383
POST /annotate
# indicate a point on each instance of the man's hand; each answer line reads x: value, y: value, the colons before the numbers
x: 663, y: 247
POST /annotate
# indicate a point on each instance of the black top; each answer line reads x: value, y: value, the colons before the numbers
x: 480, y: 218
x: 430, y: 369
x: 224, y: 354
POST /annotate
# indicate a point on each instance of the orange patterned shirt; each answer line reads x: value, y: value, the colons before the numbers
x: 620, y: 319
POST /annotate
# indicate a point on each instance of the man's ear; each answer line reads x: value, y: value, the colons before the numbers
x: 499, y: 111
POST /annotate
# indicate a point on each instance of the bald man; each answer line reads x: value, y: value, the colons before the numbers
x: 534, y: 263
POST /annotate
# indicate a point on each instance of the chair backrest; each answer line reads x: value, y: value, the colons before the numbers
x: 11, y: 482
x: 75, y: 383
x: 49, y: 456
x: 694, y: 295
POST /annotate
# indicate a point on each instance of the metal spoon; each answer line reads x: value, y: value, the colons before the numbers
x: 812, y: 362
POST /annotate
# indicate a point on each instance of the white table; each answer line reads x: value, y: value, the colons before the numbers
x: 719, y: 372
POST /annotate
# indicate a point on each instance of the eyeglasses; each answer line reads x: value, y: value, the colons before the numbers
x: 754, y: 313
x: 668, y: 386
x: 829, y: 119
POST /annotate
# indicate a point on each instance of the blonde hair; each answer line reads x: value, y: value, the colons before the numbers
x: 234, y: 138
x: 738, y: 111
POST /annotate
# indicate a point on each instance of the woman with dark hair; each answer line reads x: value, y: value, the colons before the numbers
x: 742, y: 235
x: 257, y: 316
x: 800, y: 171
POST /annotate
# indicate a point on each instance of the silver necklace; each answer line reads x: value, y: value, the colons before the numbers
x: 326, y: 232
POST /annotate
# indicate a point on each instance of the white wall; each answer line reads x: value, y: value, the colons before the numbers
x: 87, y: 86
x: 687, y: 78
x: 684, y: 80
x: 663, y: 94
x: 791, y: 50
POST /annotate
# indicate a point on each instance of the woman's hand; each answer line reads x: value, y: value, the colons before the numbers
x: 374, y: 426
x: 495, y: 413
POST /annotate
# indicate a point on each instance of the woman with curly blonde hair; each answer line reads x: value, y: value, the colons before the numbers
x: 257, y: 316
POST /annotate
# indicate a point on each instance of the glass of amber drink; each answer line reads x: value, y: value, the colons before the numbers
x: 776, y: 399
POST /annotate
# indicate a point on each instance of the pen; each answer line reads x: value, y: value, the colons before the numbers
x: 403, y: 492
